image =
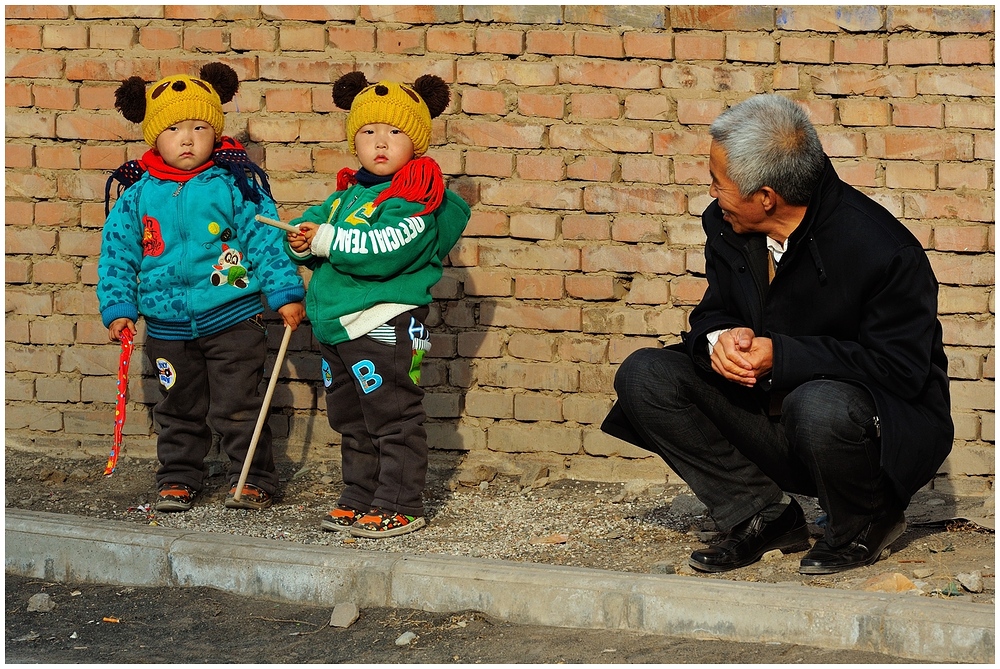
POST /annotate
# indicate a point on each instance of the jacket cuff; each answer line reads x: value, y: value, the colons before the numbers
x: 120, y: 310
x: 280, y: 298
x: 323, y: 240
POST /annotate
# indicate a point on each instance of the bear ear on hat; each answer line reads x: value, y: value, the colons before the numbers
x: 130, y: 99
x: 347, y: 88
x: 223, y: 79
x: 434, y: 91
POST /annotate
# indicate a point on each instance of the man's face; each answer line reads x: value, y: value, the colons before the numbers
x: 382, y: 149
x: 744, y: 214
x: 187, y: 144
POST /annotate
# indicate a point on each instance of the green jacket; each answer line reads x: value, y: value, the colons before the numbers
x: 374, y: 263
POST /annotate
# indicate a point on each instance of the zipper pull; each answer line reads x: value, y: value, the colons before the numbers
x: 178, y: 191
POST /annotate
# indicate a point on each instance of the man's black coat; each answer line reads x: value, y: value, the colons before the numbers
x: 853, y: 299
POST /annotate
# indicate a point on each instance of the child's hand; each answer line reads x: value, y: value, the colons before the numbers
x: 116, y: 327
x: 292, y: 313
x: 300, y: 241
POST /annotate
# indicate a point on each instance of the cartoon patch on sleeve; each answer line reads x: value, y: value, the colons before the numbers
x: 152, y: 240
x: 230, y: 270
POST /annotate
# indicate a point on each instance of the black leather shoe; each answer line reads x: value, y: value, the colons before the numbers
x: 864, y: 550
x: 748, y: 541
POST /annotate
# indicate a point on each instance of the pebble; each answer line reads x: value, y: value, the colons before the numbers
x: 973, y: 582
x: 772, y: 556
x: 344, y: 614
x: 922, y: 572
x: 406, y: 638
x: 663, y: 567
x: 893, y: 582
x: 687, y: 505
x: 41, y: 602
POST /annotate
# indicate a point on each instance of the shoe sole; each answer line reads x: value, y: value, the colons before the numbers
x: 883, y: 551
x: 794, y: 543
x: 232, y: 503
x: 331, y: 526
x: 171, y: 505
x: 412, y: 526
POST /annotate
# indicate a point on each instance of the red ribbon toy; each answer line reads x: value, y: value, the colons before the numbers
x: 116, y: 444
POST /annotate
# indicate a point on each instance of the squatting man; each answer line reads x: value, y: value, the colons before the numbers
x: 814, y: 363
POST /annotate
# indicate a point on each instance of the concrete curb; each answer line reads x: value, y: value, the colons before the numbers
x: 70, y: 548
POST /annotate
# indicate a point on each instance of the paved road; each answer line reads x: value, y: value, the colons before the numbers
x: 201, y: 625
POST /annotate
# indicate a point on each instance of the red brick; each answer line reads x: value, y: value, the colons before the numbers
x: 805, y: 50
x: 112, y: 37
x: 17, y: 94
x: 907, y: 174
x: 522, y: 74
x: 212, y: 40
x: 22, y: 36
x: 962, y: 238
x: 590, y: 287
x: 101, y: 157
x: 685, y: 142
x: 59, y: 157
x: 527, y: 255
x: 618, y: 139
x: 30, y: 185
x: 845, y: 80
x: 352, y: 38
x: 288, y: 100
x: 940, y: 19
x: 492, y: 40
x: 949, y: 204
x: 213, y: 12
x: 496, y: 134
x: 30, y: 125
x: 538, y: 287
x: 586, y: 226
x: 62, y: 214
x: 18, y: 213
x: 920, y: 51
x: 53, y: 270
x: 17, y: 270
x: 25, y: 302
x: 860, y: 50
x: 311, y: 12
x: 288, y: 159
x: 650, y: 107
x: 609, y: 74
x: 785, y: 77
x: 842, y: 144
x: 301, y: 38
x: 591, y: 168
x: 100, y: 96
x: 751, y: 49
x: 918, y: 114
x: 699, y: 46
x: 688, y: 289
x: 720, y: 17
x: 601, y: 45
x: 70, y: 36
x: 541, y: 167
x: 698, y: 112
x: 19, y: 156
x: 427, y: 14
x: 648, y: 45
x: 646, y: 169
x: 595, y: 105
x: 963, y: 175
x: 864, y: 112
x: 857, y: 173
x: 29, y: 241
x: 540, y: 104
x: 558, y: 319
x: 450, y: 40
x: 408, y: 41
x: 964, y: 82
x: 34, y: 66
x: 282, y: 68
x: 480, y: 281
x: 111, y: 69
x: 966, y: 51
x: 830, y: 19
x: 633, y: 199
x: 550, y: 42
x: 919, y: 145
x: 54, y: 97
x: 635, y: 229
x: 691, y: 170
x: 157, y: 38
x: 969, y: 115
x: 985, y: 146
x: 478, y: 101
x: 487, y: 224
x: 542, y: 195
x: 489, y: 164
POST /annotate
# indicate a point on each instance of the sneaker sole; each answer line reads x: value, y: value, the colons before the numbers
x: 412, y: 526
x: 331, y: 526
x: 883, y: 552
x: 171, y: 505
x: 232, y: 503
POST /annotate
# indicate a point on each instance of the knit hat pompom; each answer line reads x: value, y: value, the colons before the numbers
x: 178, y: 98
x: 398, y: 105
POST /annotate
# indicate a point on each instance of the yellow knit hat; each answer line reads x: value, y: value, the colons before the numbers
x: 180, y: 98
x: 393, y: 104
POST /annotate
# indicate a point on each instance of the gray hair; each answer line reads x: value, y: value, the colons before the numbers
x: 769, y: 141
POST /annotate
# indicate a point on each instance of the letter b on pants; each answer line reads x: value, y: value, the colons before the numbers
x: 364, y: 371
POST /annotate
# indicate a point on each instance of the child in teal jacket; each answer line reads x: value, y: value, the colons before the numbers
x: 376, y: 248
x: 182, y: 248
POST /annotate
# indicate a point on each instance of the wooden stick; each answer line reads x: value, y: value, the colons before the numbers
x: 278, y: 224
x: 262, y: 418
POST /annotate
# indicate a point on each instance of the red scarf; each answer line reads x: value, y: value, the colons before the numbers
x: 420, y: 181
x: 152, y: 162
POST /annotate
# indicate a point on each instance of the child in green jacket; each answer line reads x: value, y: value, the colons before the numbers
x: 376, y: 248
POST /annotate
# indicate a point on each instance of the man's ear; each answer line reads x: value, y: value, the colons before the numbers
x: 769, y: 199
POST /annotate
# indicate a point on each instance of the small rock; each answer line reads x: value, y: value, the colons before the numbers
x: 344, y: 614
x: 551, y: 539
x: 484, y: 485
x: 326, y: 479
x: 473, y: 476
x: 41, y: 602
x: 687, y: 505
x: 894, y: 582
x: 772, y: 556
x: 935, y: 501
x: 406, y: 638
x: 532, y: 474
x: 663, y: 567
x: 686, y: 570
x: 972, y: 582
x: 922, y: 572
x: 614, y: 534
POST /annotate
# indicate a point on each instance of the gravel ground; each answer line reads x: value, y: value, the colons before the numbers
x: 474, y: 512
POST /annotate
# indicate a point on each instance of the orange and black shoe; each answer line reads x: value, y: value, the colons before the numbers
x: 378, y: 523
x: 174, y: 497
x: 340, y: 519
x: 252, y: 497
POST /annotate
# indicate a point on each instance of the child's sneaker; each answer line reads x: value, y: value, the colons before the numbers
x: 173, y: 497
x: 340, y: 519
x: 252, y: 498
x: 378, y: 523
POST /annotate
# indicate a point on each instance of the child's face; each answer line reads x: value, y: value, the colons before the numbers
x: 187, y: 144
x: 382, y: 148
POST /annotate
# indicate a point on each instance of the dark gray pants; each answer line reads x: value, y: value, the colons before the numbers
x: 211, y: 380
x: 737, y: 459
x: 376, y: 406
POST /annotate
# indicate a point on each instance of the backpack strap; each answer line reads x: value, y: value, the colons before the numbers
x: 126, y: 176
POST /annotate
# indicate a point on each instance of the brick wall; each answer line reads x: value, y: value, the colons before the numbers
x: 579, y: 136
